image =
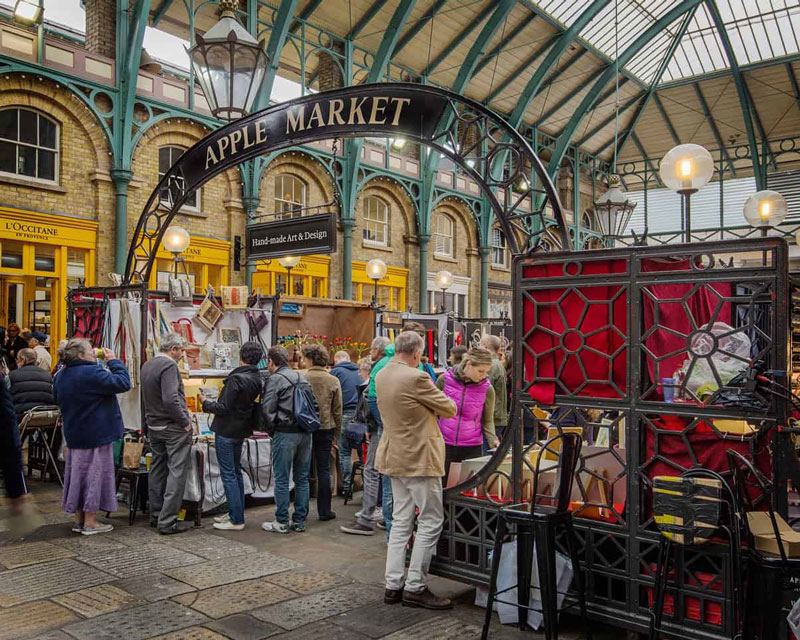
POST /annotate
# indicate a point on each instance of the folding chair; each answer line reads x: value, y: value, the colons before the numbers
x: 45, y: 423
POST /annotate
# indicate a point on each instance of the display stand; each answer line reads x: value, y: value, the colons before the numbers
x: 338, y: 325
x: 113, y: 317
x: 598, y: 339
x: 471, y: 330
x: 440, y: 329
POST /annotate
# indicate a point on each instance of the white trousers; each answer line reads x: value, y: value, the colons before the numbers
x: 425, y: 494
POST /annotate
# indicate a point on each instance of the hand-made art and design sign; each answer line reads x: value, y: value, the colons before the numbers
x: 294, y: 236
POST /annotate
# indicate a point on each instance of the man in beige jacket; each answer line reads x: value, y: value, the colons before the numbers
x: 411, y: 452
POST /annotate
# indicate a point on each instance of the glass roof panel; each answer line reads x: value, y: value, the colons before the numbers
x: 759, y: 30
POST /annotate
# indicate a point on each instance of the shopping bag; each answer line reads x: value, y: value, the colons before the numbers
x: 183, y: 327
x: 132, y: 454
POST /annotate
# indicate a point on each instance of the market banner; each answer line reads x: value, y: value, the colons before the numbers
x: 294, y: 236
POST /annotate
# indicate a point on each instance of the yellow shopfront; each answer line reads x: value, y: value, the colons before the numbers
x: 206, y: 261
x: 41, y: 255
x: 308, y: 279
x: 392, y: 287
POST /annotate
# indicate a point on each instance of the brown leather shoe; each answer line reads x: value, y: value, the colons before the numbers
x: 393, y: 596
x: 426, y: 600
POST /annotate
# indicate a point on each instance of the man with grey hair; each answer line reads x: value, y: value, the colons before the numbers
x: 412, y: 454
x: 380, y: 353
x: 497, y: 378
x: 169, y: 426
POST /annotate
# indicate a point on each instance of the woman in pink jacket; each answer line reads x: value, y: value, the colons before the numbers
x: 468, y: 386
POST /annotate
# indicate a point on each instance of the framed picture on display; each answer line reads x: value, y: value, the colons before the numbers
x: 231, y: 334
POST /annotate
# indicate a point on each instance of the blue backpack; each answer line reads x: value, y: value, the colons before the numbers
x: 304, y: 406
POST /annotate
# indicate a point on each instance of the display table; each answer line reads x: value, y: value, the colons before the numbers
x: 256, y: 472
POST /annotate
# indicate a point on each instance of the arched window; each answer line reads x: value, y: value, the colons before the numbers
x: 28, y: 145
x: 587, y: 220
x: 376, y: 221
x: 290, y: 196
x: 443, y: 232
x: 499, y: 249
x: 167, y: 156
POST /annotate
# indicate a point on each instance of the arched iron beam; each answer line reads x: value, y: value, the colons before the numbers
x: 459, y: 39
x: 277, y: 39
x: 588, y: 101
x: 555, y: 78
x: 284, y: 125
x: 160, y: 12
x: 418, y: 26
x: 564, y: 40
x: 741, y: 91
x: 498, y: 48
x: 656, y: 79
x: 795, y: 84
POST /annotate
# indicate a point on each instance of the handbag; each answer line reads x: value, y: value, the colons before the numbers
x: 234, y: 297
x: 208, y: 314
x: 183, y: 327
x: 180, y: 292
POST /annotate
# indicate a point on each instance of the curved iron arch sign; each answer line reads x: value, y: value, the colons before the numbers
x: 486, y: 148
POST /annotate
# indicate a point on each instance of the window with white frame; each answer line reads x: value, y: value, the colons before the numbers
x: 290, y: 196
x: 443, y: 232
x: 28, y: 145
x: 167, y: 156
x: 499, y: 249
x: 376, y: 221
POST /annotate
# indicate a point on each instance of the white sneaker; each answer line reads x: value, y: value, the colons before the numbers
x: 228, y: 526
x: 275, y: 527
x: 225, y: 517
x: 377, y: 514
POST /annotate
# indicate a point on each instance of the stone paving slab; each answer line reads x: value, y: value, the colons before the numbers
x: 192, y: 633
x: 27, y: 619
x: 307, y: 582
x: 97, y: 601
x: 53, y: 635
x: 139, y: 623
x: 209, y: 546
x: 22, y: 555
x: 300, y: 611
x: 438, y: 628
x: 244, y: 627
x: 148, y: 558
x: 218, y: 572
x: 153, y: 587
x: 378, y: 620
x: 87, y: 545
x: 45, y: 580
x: 236, y: 597
x: 319, y: 631
x: 135, y: 536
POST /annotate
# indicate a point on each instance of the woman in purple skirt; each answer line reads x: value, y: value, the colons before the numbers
x: 87, y: 395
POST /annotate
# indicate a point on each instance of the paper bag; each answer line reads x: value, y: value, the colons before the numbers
x: 132, y: 454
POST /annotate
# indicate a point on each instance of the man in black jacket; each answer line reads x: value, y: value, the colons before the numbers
x: 31, y: 386
x: 233, y: 422
x: 291, y: 446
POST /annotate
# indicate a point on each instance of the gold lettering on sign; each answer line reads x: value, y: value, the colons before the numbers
x: 399, y: 102
x: 335, y: 112
x: 296, y: 119
x: 211, y: 157
x: 316, y: 116
x: 236, y: 138
x: 378, y: 108
x: 261, y: 132
x: 355, y: 110
x: 247, y: 142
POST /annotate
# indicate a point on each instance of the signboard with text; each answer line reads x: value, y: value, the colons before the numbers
x: 295, y: 236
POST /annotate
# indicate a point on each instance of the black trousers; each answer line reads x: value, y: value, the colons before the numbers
x: 322, y: 442
x: 459, y: 454
x: 11, y: 458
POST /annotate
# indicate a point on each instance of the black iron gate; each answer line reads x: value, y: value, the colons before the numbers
x: 599, y: 338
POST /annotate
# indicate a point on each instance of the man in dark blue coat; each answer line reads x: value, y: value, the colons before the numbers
x: 347, y: 373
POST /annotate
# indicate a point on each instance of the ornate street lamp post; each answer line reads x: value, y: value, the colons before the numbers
x: 444, y: 279
x: 230, y: 64
x: 176, y: 241
x: 289, y: 263
x: 376, y: 270
x: 686, y: 169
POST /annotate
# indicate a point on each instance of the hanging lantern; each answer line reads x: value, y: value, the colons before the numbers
x: 230, y: 64
x: 613, y: 210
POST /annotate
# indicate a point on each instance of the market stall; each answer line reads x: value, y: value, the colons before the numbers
x: 131, y: 320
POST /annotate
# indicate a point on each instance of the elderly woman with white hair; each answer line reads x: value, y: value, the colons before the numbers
x: 87, y: 395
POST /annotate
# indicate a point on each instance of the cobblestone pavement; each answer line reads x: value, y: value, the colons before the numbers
x: 208, y: 585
